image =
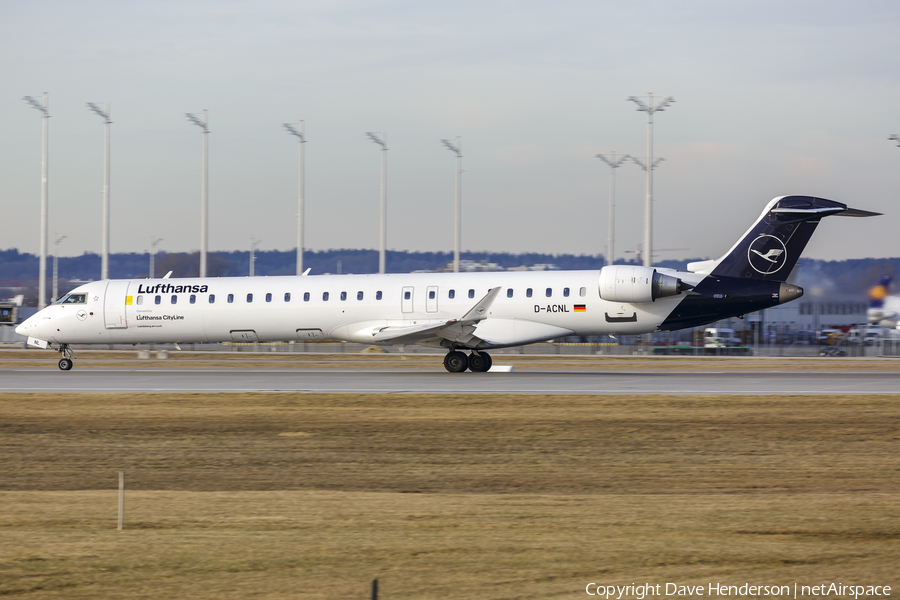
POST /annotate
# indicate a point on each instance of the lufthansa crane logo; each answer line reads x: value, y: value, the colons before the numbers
x: 767, y: 254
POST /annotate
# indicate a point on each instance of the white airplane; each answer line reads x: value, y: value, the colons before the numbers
x: 473, y: 312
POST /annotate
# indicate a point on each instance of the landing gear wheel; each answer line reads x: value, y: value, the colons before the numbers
x: 65, y: 364
x: 455, y: 362
x: 480, y: 362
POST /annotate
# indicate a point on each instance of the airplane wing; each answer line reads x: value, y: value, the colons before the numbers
x: 456, y: 330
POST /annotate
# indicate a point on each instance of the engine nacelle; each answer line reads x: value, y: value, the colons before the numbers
x: 624, y: 283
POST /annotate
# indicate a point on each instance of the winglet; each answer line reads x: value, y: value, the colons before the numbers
x: 480, y: 310
x: 306, y: 272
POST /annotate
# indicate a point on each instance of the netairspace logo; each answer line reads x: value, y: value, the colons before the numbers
x: 618, y: 592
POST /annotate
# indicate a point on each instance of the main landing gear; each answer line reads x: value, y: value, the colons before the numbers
x: 477, y: 362
x: 68, y: 357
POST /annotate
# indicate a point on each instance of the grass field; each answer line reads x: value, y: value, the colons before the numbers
x: 482, y: 497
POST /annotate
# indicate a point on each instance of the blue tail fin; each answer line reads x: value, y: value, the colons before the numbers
x: 770, y: 248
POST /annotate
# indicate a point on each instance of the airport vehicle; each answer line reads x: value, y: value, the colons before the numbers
x: 719, y: 337
x: 884, y: 309
x: 473, y: 312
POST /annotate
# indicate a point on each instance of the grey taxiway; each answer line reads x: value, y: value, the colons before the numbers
x: 679, y: 382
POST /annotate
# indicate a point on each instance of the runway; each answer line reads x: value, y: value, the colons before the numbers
x: 441, y: 382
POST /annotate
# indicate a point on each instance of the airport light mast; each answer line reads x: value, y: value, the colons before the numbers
x: 457, y: 149
x: 645, y: 256
x: 104, y: 232
x: 650, y: 108
x: 42, y: 269
x: 298, y: 132
x: 56, y: 267
x: 253, y: 244
x: 154, y: 242
x: 204, y: 188
x: 382, y: 141
x: 614, y: 163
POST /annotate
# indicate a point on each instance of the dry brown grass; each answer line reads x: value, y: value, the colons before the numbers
x: 503, y: 496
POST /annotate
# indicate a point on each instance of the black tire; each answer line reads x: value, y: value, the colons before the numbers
x: 490, y: 361
x: 455, y: 362
x: 477, y: 363
x: 65, y: 364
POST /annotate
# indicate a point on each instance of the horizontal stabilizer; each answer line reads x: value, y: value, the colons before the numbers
x: 857, y: 212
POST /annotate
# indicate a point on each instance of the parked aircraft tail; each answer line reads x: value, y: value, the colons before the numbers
x: 878, y: 293
x: 770, y: 248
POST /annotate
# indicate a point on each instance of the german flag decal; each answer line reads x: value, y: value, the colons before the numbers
x: 580, y: 308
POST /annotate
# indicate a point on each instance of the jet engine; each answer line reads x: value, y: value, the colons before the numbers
x: 623, y: 283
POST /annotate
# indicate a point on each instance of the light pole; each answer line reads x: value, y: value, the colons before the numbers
x: 253, y: 244
x: 614, y: 163
x: 645, y: 256
x: 42, y: 281
x: 104, y: 244
x: 650, y: 108
x: 204, y: 195
x: 56, y: 267
x: 457, y: 149
x: 299, y: 133
x: 154, y: 242
x: 382, y: 141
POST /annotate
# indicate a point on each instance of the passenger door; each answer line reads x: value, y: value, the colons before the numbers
x: 114, y: 305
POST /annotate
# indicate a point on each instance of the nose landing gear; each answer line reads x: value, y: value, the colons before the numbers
x: 477, y: 362
x: 67, y: 361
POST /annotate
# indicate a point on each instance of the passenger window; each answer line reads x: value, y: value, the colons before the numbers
x: 157, y: 300
x: 509, y: 293
x: 582, y: 292
x: 431, y: 295
x: 230, y: 298
x: 549, y: 292
x: 212, y: 298
x: 359, y: 295
x: 306, y: 296
x: 287, y: 296
x: 174, y: 299
x: 268, y: 297
x: 193, y: 299
x: 528, y: 293
x: 566, y: 292
x: 471, y: 293
x: 343, y: 296
x: 406, y: 295
x: 378, y: 295
x: 325, y: 296
x: 452, y: 294
x: 140, y: 300
x: 249, y: 298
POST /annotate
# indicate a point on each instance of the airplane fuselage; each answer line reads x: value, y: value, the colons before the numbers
x: 530, y: 306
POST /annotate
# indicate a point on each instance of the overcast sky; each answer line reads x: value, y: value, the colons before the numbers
x: 772, y: 98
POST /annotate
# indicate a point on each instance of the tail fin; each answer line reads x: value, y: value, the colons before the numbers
x: 878, y: 293
x: 770, y: 248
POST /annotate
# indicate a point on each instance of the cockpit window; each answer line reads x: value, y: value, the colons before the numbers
x: 75, y: 299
